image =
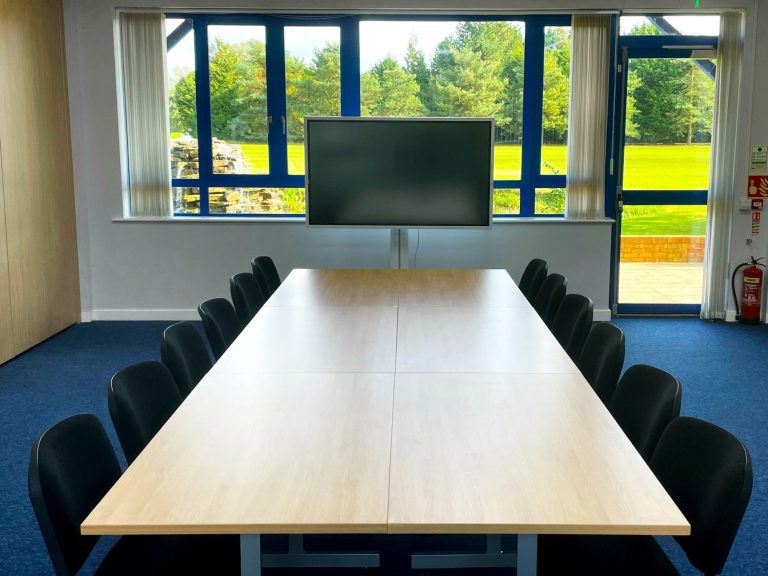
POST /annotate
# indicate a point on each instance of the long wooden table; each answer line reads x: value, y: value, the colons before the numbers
x: 391, y: 401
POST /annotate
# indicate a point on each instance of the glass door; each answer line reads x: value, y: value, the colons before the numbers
x: 664, y: 174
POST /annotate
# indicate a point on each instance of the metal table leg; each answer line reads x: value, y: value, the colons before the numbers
x: 298, y: 558
x: 250, y: 555
x: 526, y: 554
x: 493, y: 557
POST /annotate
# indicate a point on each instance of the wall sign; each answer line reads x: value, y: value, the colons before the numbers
x: 758, y: 186
x: 759, y: 159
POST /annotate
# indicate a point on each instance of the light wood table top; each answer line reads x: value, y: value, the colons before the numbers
x: 439, y: 339
x: 374, y: 287
x: 262, y: 453
x: 315, y: 339
x: 391, y: 400
x: 517, y: 453
x: 362, y: 287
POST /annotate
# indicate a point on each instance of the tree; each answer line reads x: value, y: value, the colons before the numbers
x: 183, y: 106
x: 370, y: 93
x: 295, y: 79
x: 225, y: 88
x: 416, y: 66
x: 251, y: 123
x: 397, y: 89
x: 503, y: 43
x: 557, y: 70
x: 469, y: 86
x: 554, y: 120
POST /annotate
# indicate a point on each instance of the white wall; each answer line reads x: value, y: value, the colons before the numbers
x: 163, y: 270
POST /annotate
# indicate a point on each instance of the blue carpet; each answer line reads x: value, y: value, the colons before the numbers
x: 69, y: 373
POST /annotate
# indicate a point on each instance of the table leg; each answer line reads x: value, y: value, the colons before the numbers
x: 526, y: 554
x: 298, y: 558
x: 250, y: 555
x: 493, y: 557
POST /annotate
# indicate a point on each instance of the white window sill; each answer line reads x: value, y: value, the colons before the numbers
x: 503, y: 221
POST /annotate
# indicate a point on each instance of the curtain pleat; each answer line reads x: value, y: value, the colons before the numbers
x: 588, y: 116
x: 723, y: 165
x: 146, y: 113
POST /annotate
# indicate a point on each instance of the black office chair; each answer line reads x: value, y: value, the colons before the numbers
x: 141, y: 398
x: 549, y: 297
x: 602, y: 358
x: 646, y: 400
x: 183, y: 351
x: 264, y: 269
x: 533, y: 276
x: 221, y: 324
x: 708, y: 473
x: 572, y: 323
x: 247, y: 296
x: 71, y: 468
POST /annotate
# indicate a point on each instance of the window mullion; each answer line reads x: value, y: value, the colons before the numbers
x: 350, y: 67
x: 277, y: 138
x: 533, y: 88
x: 203, y: 103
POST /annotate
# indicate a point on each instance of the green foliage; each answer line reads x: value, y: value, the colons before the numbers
x: 391, y: 91
x: 469, y: 86
x: 550, y: 201
x: 251, y: 122
x: 312, y: 90
x: 416, y: 66
x: 226, y: 88
x: 668, y: 100
x: 183, y: 108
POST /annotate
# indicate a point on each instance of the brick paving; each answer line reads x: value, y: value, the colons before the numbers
x: 660, y: 282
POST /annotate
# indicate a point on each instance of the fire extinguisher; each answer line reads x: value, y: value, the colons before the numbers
x: 751, y: 291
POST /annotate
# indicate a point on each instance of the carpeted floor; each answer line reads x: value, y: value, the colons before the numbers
x: 722, y: 382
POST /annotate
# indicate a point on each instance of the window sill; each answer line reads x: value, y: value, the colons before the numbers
x: 501, y: 221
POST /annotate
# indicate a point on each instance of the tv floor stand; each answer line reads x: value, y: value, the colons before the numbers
x: 399, y: 255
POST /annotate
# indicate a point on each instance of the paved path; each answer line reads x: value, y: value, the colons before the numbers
x: 660, y: 283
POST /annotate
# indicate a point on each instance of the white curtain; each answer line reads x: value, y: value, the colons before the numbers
x: 146, y: 113
x: 723, y: 166
x: 588, y: 116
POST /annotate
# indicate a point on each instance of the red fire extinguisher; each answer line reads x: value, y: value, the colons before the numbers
x: 751, y: 291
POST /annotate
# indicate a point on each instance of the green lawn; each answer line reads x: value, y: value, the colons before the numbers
x: 664, y: 221
x: 664, y: 167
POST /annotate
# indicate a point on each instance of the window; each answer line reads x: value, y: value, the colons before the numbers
x: 241, y: 85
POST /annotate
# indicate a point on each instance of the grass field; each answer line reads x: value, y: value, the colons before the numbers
x: 663, y: 167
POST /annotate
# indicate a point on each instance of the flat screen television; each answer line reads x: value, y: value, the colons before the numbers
x: 399, y: 172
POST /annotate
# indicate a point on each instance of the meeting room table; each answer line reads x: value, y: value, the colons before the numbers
x: 379, y: 401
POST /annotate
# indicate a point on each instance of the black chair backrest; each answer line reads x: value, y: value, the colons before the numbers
x: 572, y: 323
x: 141, y: 398
x: 221, y: 324
x: 549, y: 297
x: 264, y: 269
x: 708, y: 473
x: 602, y: 359
x: 247, y: 296
x: 183, y: 351
x: 71, y: 468
x: 646, y: 400
x: 533, y: 276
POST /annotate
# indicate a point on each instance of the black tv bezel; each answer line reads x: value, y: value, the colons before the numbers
x: 312, y: 119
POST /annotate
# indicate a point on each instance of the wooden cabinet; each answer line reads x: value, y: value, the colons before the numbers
x: 39, y: 291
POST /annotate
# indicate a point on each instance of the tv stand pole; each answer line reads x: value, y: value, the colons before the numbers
x: 399, y: 256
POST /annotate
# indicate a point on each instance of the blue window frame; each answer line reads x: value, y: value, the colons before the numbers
x: 531, y: 177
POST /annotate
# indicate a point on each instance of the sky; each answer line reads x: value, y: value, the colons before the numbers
x: 380, y: 39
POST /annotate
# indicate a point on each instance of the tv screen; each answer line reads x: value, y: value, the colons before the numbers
x: 399, y: 172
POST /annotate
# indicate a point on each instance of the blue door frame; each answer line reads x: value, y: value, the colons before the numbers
x: 616, y: 197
